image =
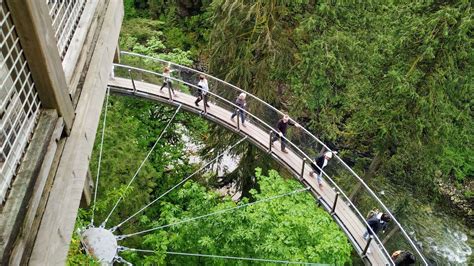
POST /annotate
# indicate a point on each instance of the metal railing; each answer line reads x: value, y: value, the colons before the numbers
x: 65, y: 15
x: 19, y: 102
x: 304, y: 143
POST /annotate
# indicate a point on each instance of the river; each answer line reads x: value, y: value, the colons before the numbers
x: 444, y: 238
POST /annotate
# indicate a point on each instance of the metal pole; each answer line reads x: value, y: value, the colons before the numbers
x: 270, y: 144
x: 169, y: 91
x: 133, y: 82
x: 318, y: 201
x: 302, y: 169
x: 205, y: 104
x: 238, y: 120
x: 335, y: 202
x: 364, y: 253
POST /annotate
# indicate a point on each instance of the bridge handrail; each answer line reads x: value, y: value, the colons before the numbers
x: 368, y: 189
x: 377, y: 239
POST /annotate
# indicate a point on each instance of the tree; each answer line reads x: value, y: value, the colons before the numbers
x: 290, y: 228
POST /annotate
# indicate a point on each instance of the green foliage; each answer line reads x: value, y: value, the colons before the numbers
x: 183, y: 24
x: 129, y: 9
x: 390, y: 81
x: 250, y: 44
x: 289, y: 228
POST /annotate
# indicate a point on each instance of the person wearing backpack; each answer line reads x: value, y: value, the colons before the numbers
x: 376, y: 223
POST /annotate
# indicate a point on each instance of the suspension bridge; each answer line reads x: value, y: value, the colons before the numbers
x: 144, y: 83
x: 56, y: 57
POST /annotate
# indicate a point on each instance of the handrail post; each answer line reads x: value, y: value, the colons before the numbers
x: 318, y: 201
x: 270, y: 143
x: 302, y: 169
x: 333, y: 210
x: 205, y: 103
x: 169, y: 92
x: 238, y: 120
x: 364, y: 253
x: 133, y: 81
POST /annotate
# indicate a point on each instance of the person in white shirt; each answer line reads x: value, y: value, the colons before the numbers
x: 203, y: 90
x: 321, y: 162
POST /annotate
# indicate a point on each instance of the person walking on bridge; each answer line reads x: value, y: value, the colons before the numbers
x: 319, y: 163
x: 378, y: 221
x: 241, y: 106
x: 167, y: 81
x: 202, y: 92
x: 282, y: 127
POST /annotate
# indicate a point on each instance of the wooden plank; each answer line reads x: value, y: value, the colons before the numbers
x: 33, y: 25
x: 14, y: 211
x: 291, y: 160
x: 87, y: 192
x: 83, y: 61
x: 44, y: 198
x: 30, y: 226
x: 57, y: 225
x: 78, y: 43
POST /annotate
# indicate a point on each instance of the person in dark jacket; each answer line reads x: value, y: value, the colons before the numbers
x: 282, y: 127
x: 241, y: 106
x: 403, y: 258
x: 319, y: 163
x: 377, y: 222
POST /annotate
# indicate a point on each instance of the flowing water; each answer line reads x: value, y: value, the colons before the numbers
x: 443, y: 237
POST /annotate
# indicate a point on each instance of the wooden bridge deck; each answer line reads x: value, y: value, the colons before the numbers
x: 343, y: 214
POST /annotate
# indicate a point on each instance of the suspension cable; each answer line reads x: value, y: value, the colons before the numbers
x: 141, y: 165
x: 219, y: 256
x: 214, y: 213
x: 100, y: 154
x: 177, y: 185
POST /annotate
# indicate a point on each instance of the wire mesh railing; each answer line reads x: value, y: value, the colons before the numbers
x: 65, y: 16
x: 19, y: 101
x: 304, y: 143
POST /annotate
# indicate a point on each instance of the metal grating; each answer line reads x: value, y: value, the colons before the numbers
x: 19, y: 102
x: 65, y: 16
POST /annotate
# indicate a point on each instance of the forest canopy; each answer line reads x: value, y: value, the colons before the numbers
x: 389, y: 83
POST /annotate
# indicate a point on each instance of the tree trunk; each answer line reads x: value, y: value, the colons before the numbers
x: 374, y: 166
x: 390, y: 234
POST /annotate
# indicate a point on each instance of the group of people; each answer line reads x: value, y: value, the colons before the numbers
x: 203, y: 94
x: 376, y: 220
x: 240, y: 109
